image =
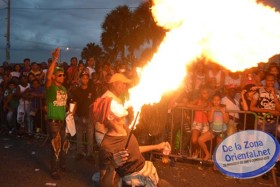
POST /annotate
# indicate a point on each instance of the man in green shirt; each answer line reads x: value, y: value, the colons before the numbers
x: 56, y: 96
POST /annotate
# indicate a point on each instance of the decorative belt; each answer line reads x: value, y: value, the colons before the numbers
x: 55, y: 121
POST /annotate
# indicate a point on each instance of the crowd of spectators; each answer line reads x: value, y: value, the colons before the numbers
x: 250, y: 98
x: 22, y: 92
x: 22, y: 88
x: 22, y: 96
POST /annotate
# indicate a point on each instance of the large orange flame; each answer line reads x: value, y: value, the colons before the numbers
x: 234, y: 33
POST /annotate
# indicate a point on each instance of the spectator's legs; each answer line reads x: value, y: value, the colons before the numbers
x: 80, y: 129
x: 205, y: 137
x: 65, y: 147
x: 30, y: 127
x: 11, y: 119
x: 37, y: 122
x: 59, y: 147
x: 232, y: 127
x: 56, y: 145
x: 21, y: 115
x: 194, y: 138
x: 28, y: 117
x: 89, y: 132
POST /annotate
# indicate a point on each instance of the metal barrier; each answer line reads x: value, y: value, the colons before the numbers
x: 186, y: 120
x: 181, y: 133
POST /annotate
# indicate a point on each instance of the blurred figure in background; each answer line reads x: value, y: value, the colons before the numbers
x: 90, y: 65
x: 10, y: 106
x: 231, y: 103
x: 83, y: 96
x: 24, y: 106
x: 248, y: 120
x: 73, y: 72
x: 36, y: 94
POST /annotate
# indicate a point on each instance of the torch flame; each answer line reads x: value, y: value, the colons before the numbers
x: 237, y: 34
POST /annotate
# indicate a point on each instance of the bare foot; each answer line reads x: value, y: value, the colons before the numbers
x: 195, y: 155
x: 207, y: 157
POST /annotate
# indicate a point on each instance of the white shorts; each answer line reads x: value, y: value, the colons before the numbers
x: 200, y: 127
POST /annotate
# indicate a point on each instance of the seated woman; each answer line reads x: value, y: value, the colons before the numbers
x: 200, y: 124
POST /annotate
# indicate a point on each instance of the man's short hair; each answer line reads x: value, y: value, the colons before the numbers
x: 26, y: 59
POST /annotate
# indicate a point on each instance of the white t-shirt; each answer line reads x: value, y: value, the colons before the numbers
x: 90, y: 70
x: 231, y: 106
x: 231, y: 81
x: 15, y: 74
x: 22, y: 89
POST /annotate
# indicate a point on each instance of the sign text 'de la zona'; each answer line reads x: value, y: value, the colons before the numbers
x: 247, y: 154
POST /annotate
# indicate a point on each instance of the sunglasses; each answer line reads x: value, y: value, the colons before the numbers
x: 61, y: 75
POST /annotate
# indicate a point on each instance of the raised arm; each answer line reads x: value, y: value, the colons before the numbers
x: 243, y: 102
x: 55, y: 56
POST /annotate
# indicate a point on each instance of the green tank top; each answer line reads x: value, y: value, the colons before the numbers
x: 56, y: 97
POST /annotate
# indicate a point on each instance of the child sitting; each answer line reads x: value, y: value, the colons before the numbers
x: 218, y: 117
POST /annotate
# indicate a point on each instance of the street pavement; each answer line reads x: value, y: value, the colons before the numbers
x: 26, y: 164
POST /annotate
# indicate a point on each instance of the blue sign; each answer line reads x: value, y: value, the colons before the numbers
x: 247, y: 154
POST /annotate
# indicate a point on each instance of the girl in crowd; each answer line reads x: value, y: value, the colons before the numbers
x: 36, y: 94
x: 200, y: 122
x: 218, y: 117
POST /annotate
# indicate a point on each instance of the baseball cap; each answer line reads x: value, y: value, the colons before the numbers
x: 119, y: 77
x: 57, y: 68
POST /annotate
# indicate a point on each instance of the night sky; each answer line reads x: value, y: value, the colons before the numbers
x: 38, y: 26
